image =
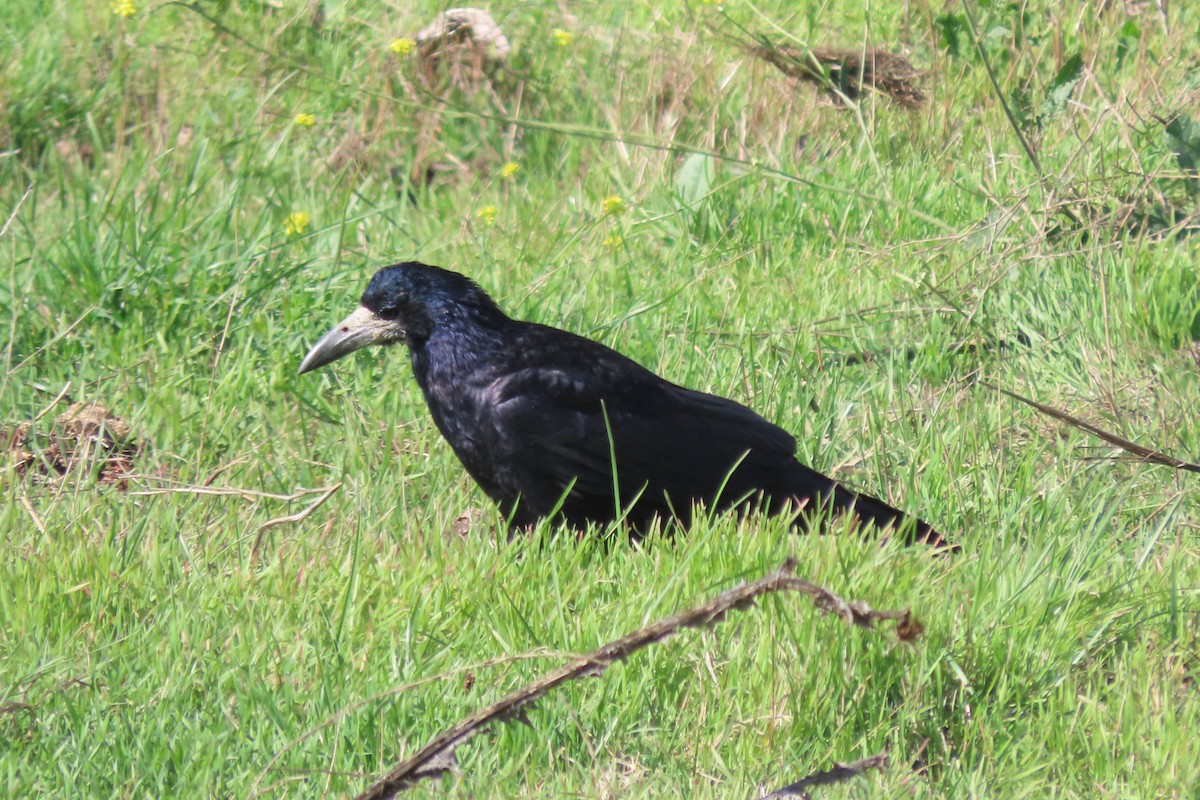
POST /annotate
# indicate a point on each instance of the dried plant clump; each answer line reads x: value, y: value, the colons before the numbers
x: 16, y: 438
x: 88, y: 433
x: 90, y: 425
x: 84, y: 436
x: 848, y: 73
x: 466, y: 44
x: 462, y: 54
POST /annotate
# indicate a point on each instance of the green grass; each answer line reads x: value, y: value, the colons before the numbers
x: 147, y: 167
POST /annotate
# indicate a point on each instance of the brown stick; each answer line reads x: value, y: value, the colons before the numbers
x: 297, y: 517
x: 839, y: 773
x: 1145, y: 453
x: 437, y: 756
x: 231, y: 491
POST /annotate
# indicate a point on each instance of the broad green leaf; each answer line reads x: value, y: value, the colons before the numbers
x: 1060, y: 90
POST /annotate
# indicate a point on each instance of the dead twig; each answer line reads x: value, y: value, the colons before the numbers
x: 212, y: 476
x: 839, y: 773
x: 57, y: 399
x: 37, y: 521
x: 324, y: 493
x: 437, y: 756
x: 297, y: 517
x: 1144, y: 453
x: 21, y: 202
x: 14, y: 707
x: 228, y: 491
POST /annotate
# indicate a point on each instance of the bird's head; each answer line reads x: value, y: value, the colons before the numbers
x: 402, y: 303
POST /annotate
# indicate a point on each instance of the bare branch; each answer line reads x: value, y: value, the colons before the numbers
x: 297, y: 517
x: 17, y: 207
x: 1145, y: 453
x: 230, y: 491
x: 839, y: 773
x: 437, y: 756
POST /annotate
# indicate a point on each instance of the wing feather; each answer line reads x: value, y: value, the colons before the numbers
x: 560, y: 426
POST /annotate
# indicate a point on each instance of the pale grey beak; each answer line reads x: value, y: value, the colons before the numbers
x: 360, y: 329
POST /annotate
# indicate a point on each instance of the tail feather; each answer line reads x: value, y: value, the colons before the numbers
x: 831, y: 496
x: 912, y: 530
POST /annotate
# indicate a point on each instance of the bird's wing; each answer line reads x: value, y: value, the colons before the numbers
x: 562, y: 424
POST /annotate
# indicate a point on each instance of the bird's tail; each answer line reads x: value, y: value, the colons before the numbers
x: 910, y: 529
x: 833, y: 498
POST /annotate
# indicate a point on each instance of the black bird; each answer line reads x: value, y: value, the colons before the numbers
x: 538, y: 416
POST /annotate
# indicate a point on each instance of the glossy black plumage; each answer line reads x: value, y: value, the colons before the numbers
x: 529, y: 410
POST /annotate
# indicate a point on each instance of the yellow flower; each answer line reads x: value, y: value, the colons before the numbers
x: 123, y: 8
x: 487, y: 214
x: 613, y: 205
x: 562, y: 38
x: 401, y: 46
x: 509, y: 169
x: 305, y: 120
x: 295, y: 223
x: 613, y: 241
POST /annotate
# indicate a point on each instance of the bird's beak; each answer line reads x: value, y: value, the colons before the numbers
x: 360, y: 329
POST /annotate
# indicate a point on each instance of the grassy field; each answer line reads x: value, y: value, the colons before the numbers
x: 191, y: 194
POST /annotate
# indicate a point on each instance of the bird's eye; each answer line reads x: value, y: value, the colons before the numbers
x: 389, y: 311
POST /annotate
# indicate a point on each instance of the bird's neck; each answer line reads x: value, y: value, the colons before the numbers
x: 454, y: 365
x: 458, y: 348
